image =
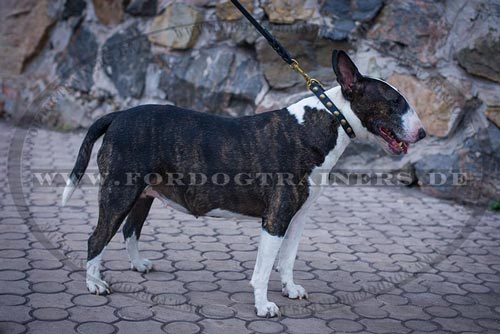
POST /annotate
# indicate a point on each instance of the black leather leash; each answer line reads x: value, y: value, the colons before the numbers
x: 312, y: 84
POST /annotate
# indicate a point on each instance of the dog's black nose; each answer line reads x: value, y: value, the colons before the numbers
x: 421, y: 133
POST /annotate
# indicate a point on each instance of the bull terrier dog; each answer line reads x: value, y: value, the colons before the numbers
x: 245, y: 160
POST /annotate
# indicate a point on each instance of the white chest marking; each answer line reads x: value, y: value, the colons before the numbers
x: 319, y: 175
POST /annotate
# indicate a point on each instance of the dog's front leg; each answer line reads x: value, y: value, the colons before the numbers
x: 268, y: 249
x: 288, y: 253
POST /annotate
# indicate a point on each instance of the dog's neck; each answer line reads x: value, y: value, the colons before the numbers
x: 333, y: 153
x: 344, y: 106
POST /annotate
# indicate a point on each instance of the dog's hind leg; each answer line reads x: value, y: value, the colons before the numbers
x: 132, y: 232
x: 114, y: 205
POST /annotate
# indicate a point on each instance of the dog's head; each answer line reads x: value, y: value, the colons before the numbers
x: 385, y: 114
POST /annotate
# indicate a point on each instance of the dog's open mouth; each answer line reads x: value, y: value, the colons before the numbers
x: 395, y: 145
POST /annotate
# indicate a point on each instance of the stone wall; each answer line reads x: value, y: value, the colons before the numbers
x: 64, y: 63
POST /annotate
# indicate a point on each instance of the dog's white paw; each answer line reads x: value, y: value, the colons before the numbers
x: 293, y: 291
x: 97, y: 285
x: 141, y: 265
x: 267, y: 309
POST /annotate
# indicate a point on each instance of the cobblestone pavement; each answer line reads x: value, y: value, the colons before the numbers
x: 374, y: 260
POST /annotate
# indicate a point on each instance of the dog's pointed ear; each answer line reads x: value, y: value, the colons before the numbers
x: 347, y: 73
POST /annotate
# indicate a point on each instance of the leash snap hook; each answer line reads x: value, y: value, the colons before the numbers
x: 309, y: 81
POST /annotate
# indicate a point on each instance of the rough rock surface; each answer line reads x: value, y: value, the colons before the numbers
x: 142, y: 7
x: 470, y: 174
x: 217, y: 81
x: 345, y: 14
x: 125, y: 58
x: 73, y: 8
x: 77, y: 63
x: 288, y: 11
x: 437, y: 101
x: 313, y: 55
x: 226, y: 11
x: 24, y: 26
x: 417, y: 28
x: 483, y: 59
x: 493, y: 114
x: 109, y: 12
x: 177, y: 27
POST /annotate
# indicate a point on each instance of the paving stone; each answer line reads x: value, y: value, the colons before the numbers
x: 127, y: 287
x: 16, y: 287
x: 188, y: 265
x: 405, y: 312
x: 266, y: 326
x: 12, y: 327
x: 490, y: 324
x: 177, y: 327
x: 457, y: 324
x: 223, y: 326
x: 439, y: 311
x: 475, y: 311
x: 487, y: 299
x: 133, y: 327
x: 170, y: 299
x: 158, y: 275
x: 95, y: 327
x: 11, y: 275
x: 242, y: 297
x: 17, y: 313
x: 48, y: 287
x: 135, y: 313
x: 60, y: 299
x: 336, y: 312
x: 426, y: 299
x: 39, y: 275
x: 202, y: 286
x: 50, y: 314
x: 384, y: 326
x: 90, y: 300
x: 419, y: 325
x: 370, y: 312
x: 11, y: 253
x: 216, y: 255
x: 49, y: 327
x: 393, y: 299
x: 167, y: 314
x: 216, y: 311
x: 12, y: 300
x: 459, y: 300
x: 157, y: 288
x: 201, y: 297
x: 230, y: 275
x: 102, y: 313
x: 245, y: 311
x: 300, y: 326
x: 345, y: 326
x: 475, y: 288
x: 242, y: 247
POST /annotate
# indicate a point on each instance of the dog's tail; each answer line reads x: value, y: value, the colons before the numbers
x: 96, y: 130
